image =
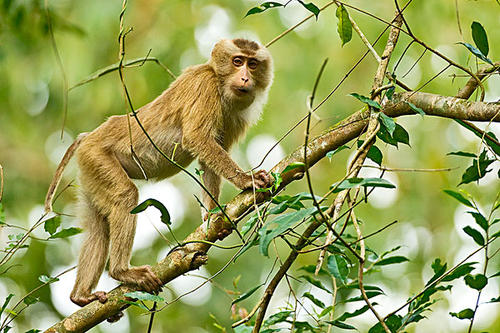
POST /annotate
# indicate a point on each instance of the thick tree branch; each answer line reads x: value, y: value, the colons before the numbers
x: 193, y: 255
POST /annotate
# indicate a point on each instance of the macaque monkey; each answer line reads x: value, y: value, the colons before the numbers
x: 201, y: 115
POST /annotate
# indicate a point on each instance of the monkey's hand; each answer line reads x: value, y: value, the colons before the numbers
x: 260, y: 179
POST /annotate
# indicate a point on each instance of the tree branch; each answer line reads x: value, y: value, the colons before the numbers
x: 193, y: 255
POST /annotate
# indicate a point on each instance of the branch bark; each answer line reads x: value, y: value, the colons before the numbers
x: 193, y: 255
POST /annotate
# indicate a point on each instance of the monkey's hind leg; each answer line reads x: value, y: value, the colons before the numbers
x: 93, y: 255
x: 122, y: 231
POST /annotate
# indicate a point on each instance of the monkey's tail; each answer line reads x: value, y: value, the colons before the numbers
x: 59, y: 172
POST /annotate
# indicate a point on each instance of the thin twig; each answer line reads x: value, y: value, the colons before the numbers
x: 362, y: 36
x: 284, y: 33
x: 60, y: 65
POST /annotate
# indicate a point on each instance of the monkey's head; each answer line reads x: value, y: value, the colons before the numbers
x: 244, y: 68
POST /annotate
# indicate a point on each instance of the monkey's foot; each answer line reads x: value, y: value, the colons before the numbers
x: 142, y: 276
x: 101, y: 296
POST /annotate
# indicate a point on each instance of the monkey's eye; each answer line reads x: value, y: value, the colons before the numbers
x: 238, y: 61
x: 252, y: 63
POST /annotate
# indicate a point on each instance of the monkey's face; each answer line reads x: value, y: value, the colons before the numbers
x: 244, y: 68
x: 241, y: 82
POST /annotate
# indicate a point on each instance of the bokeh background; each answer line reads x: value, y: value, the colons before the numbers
x: 181, y: 33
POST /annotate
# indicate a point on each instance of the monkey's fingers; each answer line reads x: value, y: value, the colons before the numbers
x: 262, y: 179
x: 151, y: 282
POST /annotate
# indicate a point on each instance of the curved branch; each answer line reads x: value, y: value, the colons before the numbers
x: 193, y: 255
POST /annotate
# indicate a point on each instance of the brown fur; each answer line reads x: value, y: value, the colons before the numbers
x: 204, y: 112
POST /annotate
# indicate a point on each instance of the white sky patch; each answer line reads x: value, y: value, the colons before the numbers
x: 492, y: 93
x: 438, y: 63
x: 55, y: 147
x: 381, y: 197
x: 259, y: 146
x: 216, y: 28
x: 60, y: 290
x: 171, y: 198
x: 292, y: 14
x: 39, y: 96
x: 186, y: 283
x: 412, y: 79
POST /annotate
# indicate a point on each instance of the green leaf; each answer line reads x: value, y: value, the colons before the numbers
x: 355, y: 313
x: 495, y: 275
x: 337, y: 266
x: 65, y: 233
x: 340, y: 324
x: 294, y: 165
x: 375, y: 154
x: 2, y: 214
x: 312, y: 269
x: 313, y: 299
x: 478, y: 169
x: 367, y: 182
x: 248, y: 245
x: 246, y: 295
x: 480, y: 38
x: 459, y: 197
x: 33, y: 330
x: 277, y: 318
x: 391, y: 260
x: 315, y: 282
x: 438, y: 268
x: 165, y: 216
x: 6, y: 302
x: 263, y: 7
x: 310, y: 7
x: 390, y: 92
x: 416, y: 109
x: 248, y: 225
x: 394, y: 322
x: 144, y: 296
x: 384, y: 135
x: 401, y: 135
x: 326, y: 311
x: 476, y: 52
x: 494, y: 300
x: 478, y: 281
x: 277, y: 179
x: 464, y: 314
x: 476, y: 235
x: 369, y: 294
x: 138, y: 304
x: 387, y: 122
x: 366, y: 100
x: 29, y: 300
x: 303, y: 326
x: 462, y: 153
x: 283, y: 223
x: 492, y: 144
x: 460, y: 271
x: 333, y: 152
x: 344, y: 27
x: 46, y: 279
x: 52, y: 224
x: 480, y: 220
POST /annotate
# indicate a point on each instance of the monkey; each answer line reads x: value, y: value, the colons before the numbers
x: 199, y: 116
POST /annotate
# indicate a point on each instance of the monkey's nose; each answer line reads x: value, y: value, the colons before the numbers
x: 244, y: 79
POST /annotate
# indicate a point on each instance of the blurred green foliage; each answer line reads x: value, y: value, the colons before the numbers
x: 177, y: 31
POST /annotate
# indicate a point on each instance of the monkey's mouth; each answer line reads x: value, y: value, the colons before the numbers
x: 241, y: 90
